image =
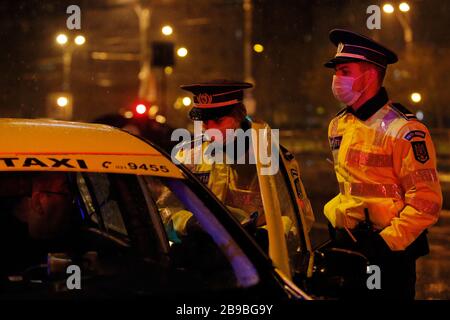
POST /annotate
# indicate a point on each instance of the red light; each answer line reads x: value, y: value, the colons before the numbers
x: 141, y: 108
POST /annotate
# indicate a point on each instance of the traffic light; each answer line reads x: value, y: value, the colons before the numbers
x: 140, y: 108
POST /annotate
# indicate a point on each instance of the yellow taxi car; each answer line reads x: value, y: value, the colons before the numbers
x: 83, y: 213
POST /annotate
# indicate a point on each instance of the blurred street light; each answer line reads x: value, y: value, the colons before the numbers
x: 182, y: 52
x: 61, y: 39
x: 160, y: 119
x: 420, y: 115
x: 258, y: 48
x: 59, y: 105
x: 62, y: 101
x: 153, y: 111
x: 178, y: 104
x: 80, y: 40
x: 388, y: 8
x: 167, y: 30
x: 416, y: 97
x: 128, y: 114
x: 187, y: 101
x: 320, y: 110
x: 404, y: 7
x: 168, y: 70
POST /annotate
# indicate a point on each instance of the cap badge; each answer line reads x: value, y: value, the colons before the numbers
x: 340, y: 47
x: 204, y: 98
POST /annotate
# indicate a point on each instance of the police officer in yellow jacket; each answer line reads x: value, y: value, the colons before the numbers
x: 385, y: 165
x: 219, y: 106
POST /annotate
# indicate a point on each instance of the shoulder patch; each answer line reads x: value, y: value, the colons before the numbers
x: 403, y: 111
x: 420, y: 151
x: 335, y: 142
x: 415, y: 134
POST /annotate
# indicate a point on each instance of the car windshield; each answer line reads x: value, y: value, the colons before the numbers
x: 115, y: 228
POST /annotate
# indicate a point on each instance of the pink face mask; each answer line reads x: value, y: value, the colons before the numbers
x: 342, y: 88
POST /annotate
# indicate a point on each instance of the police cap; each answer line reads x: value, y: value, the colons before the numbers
x: 354, y: 47
x: 215, y: 99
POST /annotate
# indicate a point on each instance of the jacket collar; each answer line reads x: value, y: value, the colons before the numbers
x: 371, y: 106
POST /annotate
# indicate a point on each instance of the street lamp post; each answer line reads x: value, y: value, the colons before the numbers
x: 404, y: 20
x: 67, y: 65
x: 249, y: 100
x: 68, y: 49
x: 147, y: 87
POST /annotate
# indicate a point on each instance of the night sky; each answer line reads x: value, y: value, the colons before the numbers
x: 289, y: 76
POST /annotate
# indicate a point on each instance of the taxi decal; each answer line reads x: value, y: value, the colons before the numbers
x: 29, y: 162
x: 156, y: 165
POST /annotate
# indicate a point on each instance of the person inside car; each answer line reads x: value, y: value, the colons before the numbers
x: 37, y: 217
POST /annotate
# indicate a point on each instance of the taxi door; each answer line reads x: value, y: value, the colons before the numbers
x: 288, y: 212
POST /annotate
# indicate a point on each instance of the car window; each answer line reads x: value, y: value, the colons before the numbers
x: 108, y: 207
x: 198, y: 242
x: 292, y: 229
x: 107, y: 227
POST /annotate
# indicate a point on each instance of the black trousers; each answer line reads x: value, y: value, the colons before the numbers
x: 398, y: 277
x: 397, y: 270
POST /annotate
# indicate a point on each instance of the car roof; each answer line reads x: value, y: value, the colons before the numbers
x: 53, y: 145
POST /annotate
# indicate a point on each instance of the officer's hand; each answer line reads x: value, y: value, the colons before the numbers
x: 239, y: 214
x: 193, y: 227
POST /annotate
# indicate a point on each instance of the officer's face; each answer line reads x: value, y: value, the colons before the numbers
x: 221, y: 124
x: 356, y: 70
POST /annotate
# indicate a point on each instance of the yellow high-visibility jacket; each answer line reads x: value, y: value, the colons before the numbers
x: 385, y: 162
x: 236, y: 185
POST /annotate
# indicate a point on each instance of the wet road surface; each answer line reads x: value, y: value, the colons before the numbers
x: 433, y: 271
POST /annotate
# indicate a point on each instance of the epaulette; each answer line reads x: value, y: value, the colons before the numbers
x: 403, y: 111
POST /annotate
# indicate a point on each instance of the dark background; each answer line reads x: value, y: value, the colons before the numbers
x: 292, y: 88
